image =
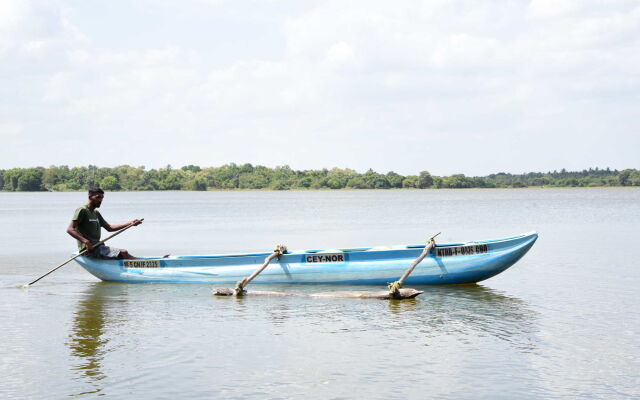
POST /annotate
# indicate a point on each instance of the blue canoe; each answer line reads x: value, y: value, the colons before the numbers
x: 446, y: 264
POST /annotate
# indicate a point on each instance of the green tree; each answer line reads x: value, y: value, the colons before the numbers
x: 634, y: 178
x: 244, y: 169
x: 337, y: 178
x: 192, y: 168
x: 457, y: 181
x: 132, y: 178
x: 410, y: 181
x: 30, y: 180
x: 304, y: 182
x: 195, y: 184
x: 281, y: 177
x: 110, y: 183
x: 394, y: 179
x: 279, y: 184
x: 231, y: 176
x: 357, y: 182
x: 375, y: 180
x: 11, y: 178
x: 425, y: 180
x: 624, y: 177
x: 611, y: 180
x: 174, y: 180
x: 50, y: 178
x: 73, y: 186
x: 540, y: 181
x: 319, y: 182
x: 254, y: 180
x: 225, y: 177
x: 78, y: 176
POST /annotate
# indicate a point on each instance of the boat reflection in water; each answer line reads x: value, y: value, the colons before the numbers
x: 88, y: 340
x: 463, y: 313
x: 159, y: 315
x: 473, y: 311
x: 456, y: 312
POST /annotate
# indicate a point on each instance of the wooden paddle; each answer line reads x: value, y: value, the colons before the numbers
x: 394, y: 287
x: 79, y: 254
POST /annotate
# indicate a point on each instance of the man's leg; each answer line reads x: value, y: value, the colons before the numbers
x: 124, y: 254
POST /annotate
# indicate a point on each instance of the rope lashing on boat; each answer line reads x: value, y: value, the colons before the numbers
x: 277, y: 252
x: 394, y: 287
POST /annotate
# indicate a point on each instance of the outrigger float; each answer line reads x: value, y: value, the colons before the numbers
x: 442, y: 264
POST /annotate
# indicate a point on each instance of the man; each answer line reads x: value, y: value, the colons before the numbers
x: 85, y: 228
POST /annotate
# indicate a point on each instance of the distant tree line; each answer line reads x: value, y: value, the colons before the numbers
x: 247, y: 176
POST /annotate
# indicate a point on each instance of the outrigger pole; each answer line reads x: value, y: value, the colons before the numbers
x: 395, y: 292
x: 79, y: 254
x: 394, y: 287
x: 239, y: 290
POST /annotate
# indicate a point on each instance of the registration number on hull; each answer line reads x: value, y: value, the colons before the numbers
x: 142, y: 263
x: 324, y: 258
x: 468, y: 250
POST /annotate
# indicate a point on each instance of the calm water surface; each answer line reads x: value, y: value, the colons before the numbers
x: 562, y: 323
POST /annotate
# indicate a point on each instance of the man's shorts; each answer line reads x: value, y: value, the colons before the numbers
x: 103, y: 251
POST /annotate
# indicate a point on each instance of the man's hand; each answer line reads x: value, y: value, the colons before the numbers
x: 135, y: 222
x: 89, y: 247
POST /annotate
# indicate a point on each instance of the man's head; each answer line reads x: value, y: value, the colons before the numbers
x: 95, y: 197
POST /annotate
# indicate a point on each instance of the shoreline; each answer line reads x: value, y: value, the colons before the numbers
x: 332, y: 190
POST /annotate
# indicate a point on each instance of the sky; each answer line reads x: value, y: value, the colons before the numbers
x: 473, y: 87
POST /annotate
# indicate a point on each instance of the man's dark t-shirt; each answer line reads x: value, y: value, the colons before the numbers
x: 89, y: 223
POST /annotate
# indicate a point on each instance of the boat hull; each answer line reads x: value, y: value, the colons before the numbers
x: 448, y: 264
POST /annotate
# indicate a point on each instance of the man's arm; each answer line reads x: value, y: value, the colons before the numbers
x: 117, y: 227
x: 73, y: 231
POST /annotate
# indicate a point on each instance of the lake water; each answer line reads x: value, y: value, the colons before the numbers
x: 562, y: 323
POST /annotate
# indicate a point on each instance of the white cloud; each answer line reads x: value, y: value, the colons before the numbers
x: 447, y: 86
x: 340, y: 55
x: 551, y: 8
x: 8, y: 128
x: 13, y: 13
